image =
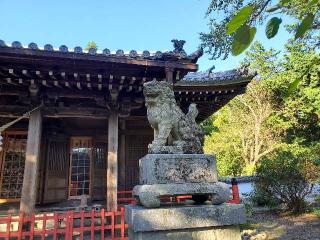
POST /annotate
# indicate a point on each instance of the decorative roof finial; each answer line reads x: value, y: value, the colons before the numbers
x: 211, y: 69
x: 178, y: 46
x: 196, y: 55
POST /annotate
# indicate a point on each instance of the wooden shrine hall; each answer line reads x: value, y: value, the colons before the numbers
x: 86, y: 125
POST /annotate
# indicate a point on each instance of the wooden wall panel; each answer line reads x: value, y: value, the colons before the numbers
x: 136, y: 147
x: 99, y: 187
x: 57, y: 166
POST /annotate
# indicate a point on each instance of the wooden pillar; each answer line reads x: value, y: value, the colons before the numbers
x: 112, y: 170
x: 30, y: 177
x: 169, y: 74
x: 122, y: 158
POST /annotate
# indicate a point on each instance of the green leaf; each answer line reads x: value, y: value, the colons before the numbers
x: 273, y: 27
x: 239, y: 19
x: 242, y: 39
x: 293, y: 86
x: 284, y: 2
x: 304, y: 25
x: 312, y: 2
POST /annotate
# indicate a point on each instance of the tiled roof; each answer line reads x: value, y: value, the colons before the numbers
x: 177, y: 54
x: 217, y: 78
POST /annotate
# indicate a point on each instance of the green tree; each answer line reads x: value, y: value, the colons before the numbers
x: 243, y: 133
x: 91, y: 44
x: 265, y: 120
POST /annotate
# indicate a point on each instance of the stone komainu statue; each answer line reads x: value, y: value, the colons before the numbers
x: 174, y: 131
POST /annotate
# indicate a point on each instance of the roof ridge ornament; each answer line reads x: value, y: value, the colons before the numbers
x: 196, y: 55
x: 16, y: 44
x: 63, y: 48
x: 178, y: 48
x: 48, y: 47
x: 2, y: 43
x: 33, y: 45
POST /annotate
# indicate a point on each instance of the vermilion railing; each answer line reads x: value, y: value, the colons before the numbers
x: 78, y: 224
x: 65, y: 225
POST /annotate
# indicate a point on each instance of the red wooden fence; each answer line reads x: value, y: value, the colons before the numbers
x: 65, y: 225
x: 77, y: 225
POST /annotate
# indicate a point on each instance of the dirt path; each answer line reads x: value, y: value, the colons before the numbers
x: 268, y: 225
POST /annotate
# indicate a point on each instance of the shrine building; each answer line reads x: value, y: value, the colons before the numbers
x: 82, y: 123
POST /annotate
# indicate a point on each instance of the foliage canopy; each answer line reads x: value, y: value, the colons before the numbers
x: 265, y: 120
x: 235, y: 30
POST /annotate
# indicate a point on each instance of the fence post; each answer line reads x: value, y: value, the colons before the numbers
x: 8, y: 227
x: 20, y: 227
x: 92, y: 224
x: 32, y: 220
x: 102, y: 222
x: 122, y: 223
x: 69, y: 224
x: 44, y: 226
x: 81, y: 224
x: 112, y: 224
x: 55, y: 225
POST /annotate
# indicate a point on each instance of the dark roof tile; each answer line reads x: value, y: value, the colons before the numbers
x: 177, y: 54
x: 207, y: 77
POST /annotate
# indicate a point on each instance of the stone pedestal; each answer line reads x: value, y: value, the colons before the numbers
x: 177, y: 168
x: 179, y: 174
x: 149, y: 195
x: 202, y: 222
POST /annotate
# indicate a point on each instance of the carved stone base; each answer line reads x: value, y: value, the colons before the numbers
x: 205, y: 222
x: 177, y: 168
x: 149, y: 195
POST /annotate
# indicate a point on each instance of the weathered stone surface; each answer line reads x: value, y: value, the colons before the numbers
x: 149, y: 195
x: 177, y: 168
x: 141, y: 219
x: 167, y: 119
x: 213, y: 233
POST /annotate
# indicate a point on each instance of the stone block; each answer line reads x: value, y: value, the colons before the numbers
x: 142, y: 219
x: 177, y: 168
x: 213, y: 233
x: 201, y: 222
x: 149, y: 195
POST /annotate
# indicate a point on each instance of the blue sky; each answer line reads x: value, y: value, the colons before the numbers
x: 115, y: 24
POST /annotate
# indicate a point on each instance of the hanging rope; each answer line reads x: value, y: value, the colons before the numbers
x: 7, y: 125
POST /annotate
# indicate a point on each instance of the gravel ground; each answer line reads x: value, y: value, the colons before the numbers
x: 271, y: 225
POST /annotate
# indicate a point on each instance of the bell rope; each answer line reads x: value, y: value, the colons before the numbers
x: 7, y: 125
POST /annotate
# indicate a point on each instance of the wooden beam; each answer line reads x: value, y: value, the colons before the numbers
x: 112, y: 169
x: 29, y: 187
x: 56, y: 112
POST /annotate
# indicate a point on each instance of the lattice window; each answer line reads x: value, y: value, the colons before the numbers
x: 80, y: 166
x: 56, y: 155
x: 99, y: 155
x: 13, y: 161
